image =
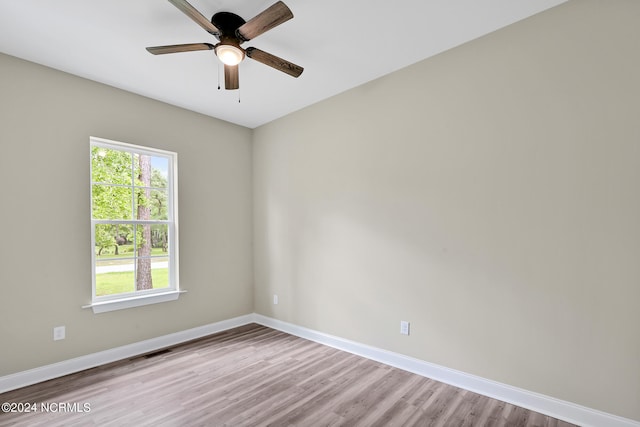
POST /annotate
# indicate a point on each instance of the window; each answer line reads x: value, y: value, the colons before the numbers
x: 133, y: 225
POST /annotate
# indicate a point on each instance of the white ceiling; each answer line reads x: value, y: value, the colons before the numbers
x: 340, y: 43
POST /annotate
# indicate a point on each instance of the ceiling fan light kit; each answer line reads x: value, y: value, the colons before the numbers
x: 231, y: 31
x: 229, y: 54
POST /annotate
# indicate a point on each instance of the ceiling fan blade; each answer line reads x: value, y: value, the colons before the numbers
x: 264, y: 21
x: 175, y: 48
x: 196, y: 16
x: 231, y: 77
x: 275, y: 62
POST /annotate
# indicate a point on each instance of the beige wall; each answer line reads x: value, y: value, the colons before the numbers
x: 46, y: 118
x: 489, y: 195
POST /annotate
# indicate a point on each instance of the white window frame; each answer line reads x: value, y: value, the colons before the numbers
x: 106, y: 303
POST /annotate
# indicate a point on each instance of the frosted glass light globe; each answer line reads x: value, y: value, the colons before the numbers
x: 229, y: 54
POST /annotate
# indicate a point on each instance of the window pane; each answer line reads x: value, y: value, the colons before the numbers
x: 143, y: 240
x: 114, y: 278
x: 143, y: 203
x: 158, y: 202
x: 109, y: 202
x: 144, y: 278
x: 110, y: 166
x: 160, y: 274
x: 160, y: 239
x: 113, y: 241
x: 152, y: 256
x: 159, y: 171
x: 151, y: 204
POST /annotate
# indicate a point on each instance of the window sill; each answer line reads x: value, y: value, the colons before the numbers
x: 121, y: 304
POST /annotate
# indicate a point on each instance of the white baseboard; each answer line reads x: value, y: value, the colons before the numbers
x: 55, y: 370
x: 547, y: 405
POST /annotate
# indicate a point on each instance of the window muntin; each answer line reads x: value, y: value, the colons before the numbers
x: 133, y: 221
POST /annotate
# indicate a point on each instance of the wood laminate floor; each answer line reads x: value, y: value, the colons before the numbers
x: 256, y: 376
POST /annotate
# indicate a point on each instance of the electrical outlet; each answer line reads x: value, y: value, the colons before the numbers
x: 59, y: 333
x: 275, y: 299
x: 404, y: 327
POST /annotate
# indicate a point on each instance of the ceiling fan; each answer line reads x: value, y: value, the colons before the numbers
x: 231, y: 31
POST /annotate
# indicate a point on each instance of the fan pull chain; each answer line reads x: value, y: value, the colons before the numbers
x: 238, y: 95
x: 218, y: 67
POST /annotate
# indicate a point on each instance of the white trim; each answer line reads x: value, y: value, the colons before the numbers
x: 547, y: 405
x: 110, y: 143
x: 134, y: 301
x: 66, y: 367
x: 537, y: 402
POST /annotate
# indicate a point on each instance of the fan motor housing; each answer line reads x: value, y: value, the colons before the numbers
x: 227, y: 23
